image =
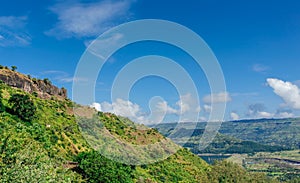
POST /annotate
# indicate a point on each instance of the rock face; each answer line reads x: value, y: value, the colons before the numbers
x: 44, y: 89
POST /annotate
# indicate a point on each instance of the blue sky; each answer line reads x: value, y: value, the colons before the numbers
x: 256, y: 42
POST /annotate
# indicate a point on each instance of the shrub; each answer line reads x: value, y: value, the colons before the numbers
x: 2, y: 107
x: 14, y: 68
x: 47, y: 81
x: 22, y: 106
x: 97, y: 168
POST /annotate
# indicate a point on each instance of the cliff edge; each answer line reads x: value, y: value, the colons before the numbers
x: 43, y: 88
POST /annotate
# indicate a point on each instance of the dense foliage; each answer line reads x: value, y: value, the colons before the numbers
x: 224, y: 171
x: 97, y: 168
x: 22, y: 106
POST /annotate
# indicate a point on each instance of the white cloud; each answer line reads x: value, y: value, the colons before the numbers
x: 187, y: 103
x: 263, y: 114
x: 260, y: 68
x: 222, y: 97
x: 13, y: 31
x: 207, y: 108
x: 126, y: 109
x: 289, y: 92
x: 163, y: 106
x: 187, y: 109
x: 63, y: 77
x: 87, y: 19
x: 258, y: 110
x: 285, y: 115
x: 96, y: 105
x: 13, y: 22
x: 234, y: 116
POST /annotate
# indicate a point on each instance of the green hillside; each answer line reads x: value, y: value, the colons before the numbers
x: 41, y: 141
x: 248, y: 136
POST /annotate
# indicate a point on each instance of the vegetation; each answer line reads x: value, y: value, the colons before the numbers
x: 97, y: 168
x: 47, y: 81
x: 22, y: 106
x: 224, y: 171
x: 261, y: 135
x: 2, y: 107
x: 41, y: 150
x: 14, y: 68
x: 283, y: 165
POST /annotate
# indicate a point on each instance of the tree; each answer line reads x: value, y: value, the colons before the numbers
x: 98, y: 168
x: 14, y: 68
x: 2, y: 107
x: 22, y: 106
x: 47, y: 81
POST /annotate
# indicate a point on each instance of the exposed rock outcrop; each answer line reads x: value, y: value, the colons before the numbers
x: 44, y: 89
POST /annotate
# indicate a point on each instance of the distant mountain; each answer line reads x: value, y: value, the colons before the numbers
x: 245, y: 136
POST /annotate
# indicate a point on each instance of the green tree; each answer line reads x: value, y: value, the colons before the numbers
x: 14, y: 68
x: 97, y: 168
x: 2, y: 107
x: 22, y: 106
x: 223, y: 172
x: 47, y: 81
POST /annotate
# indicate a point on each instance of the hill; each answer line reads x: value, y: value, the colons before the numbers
x: 41, y: 141
x: 247, y: 136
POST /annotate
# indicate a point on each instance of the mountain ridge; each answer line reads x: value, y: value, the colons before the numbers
x: 43, y: 88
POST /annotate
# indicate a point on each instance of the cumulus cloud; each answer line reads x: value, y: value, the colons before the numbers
x: 122, y: 108
x: 187, y: 109
x: 87, y: 19
x: 284, y: 113
x: 96, y: 106
x: 125, y: 108
x: 258, y: 110
x: 289, y: 92
x: 13, y: 31
x: 234, y: 116
x: 187, y: 103
x: 222, y: 97
x: 207, y: 108
x: 264, y: 114
x: 163, y: 106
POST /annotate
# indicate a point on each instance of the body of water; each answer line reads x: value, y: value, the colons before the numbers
x: 211, y: 158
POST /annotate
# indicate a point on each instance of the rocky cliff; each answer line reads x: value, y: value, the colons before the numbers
x: 43, y: 88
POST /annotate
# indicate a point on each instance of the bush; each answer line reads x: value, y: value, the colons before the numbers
x: 22, y: 106
x: 47, y: 81
x: 2, y: 107
x: 97, y: 168
x: 14, y: 68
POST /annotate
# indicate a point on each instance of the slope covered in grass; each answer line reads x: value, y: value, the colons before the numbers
x: 41, y: 147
